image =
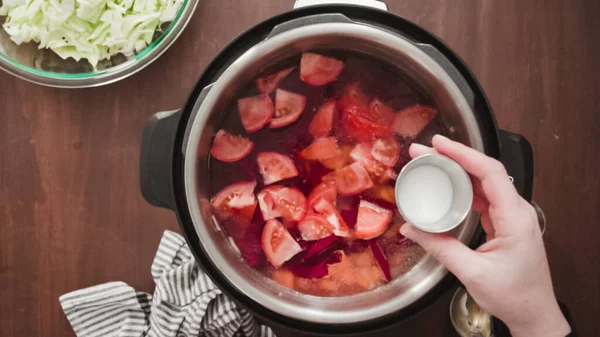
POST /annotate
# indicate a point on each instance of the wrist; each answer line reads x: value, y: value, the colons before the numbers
x: 551, y: 323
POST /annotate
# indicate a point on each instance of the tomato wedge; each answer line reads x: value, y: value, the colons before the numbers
x: 235, y: 200
x: 362, y: 155
x: 386, y: 151
x: 275, y: 167
x: 411, y: 120
x: 361, y: 120
x: 331, y: 214
x: 278, y: 244
x: 372, y: 220
x: 340, y: 160
x: 322, y: 122
x: 352, y: 179
x: 321, y: 148
x: 267, y: 84
x: 385, y: 175
x: 230, y: 148
x: 255, y: 112
x: 329, y: 177
x: 288, y: 108
x: 381, y: 112
x: 282, y: 201
x: 362, y: 127
x: 319, y: 70
x: 354, y: 103
x: 325, y: 190
x: 334, y: 163
x: 314, y: 227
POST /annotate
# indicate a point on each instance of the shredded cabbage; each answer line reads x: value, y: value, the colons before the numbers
x: 87, y: 29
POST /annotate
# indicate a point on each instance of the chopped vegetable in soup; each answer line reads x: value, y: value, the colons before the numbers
x: 303, y: 172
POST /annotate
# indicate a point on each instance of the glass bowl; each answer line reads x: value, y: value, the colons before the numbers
x: 43, y: 66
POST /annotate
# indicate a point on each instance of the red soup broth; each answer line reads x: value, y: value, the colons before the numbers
x: 332, y: 226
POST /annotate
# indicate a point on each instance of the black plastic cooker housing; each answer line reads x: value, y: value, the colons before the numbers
x: 162, y: 160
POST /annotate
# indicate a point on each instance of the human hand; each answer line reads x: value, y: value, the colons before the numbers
x: 508, y: 276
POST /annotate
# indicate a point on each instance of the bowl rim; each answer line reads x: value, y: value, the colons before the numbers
x: 128, y: 68
x: 451, y: 220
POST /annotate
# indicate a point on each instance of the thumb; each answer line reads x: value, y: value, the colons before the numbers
x: 453, y: 254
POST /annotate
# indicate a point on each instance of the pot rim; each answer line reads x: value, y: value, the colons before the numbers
x: 315, y: 314
x: 241, y: 43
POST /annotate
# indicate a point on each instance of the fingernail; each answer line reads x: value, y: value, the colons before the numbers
x: 418, y: 146
x: 440, y: 138
x: 405, y: 229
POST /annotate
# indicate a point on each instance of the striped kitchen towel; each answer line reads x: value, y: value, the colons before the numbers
x: 186, y: 303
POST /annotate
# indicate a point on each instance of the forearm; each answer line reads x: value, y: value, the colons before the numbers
x: 551, y: 324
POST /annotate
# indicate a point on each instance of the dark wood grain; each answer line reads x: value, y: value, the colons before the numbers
x: 72, y: 215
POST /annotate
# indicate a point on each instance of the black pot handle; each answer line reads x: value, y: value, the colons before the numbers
x: 156, y: 155
x: 309, y: 20
x: 156, y: 158
x: 517, y: 156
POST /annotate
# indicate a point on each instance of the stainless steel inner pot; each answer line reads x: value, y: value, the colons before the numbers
x: 364, y: 39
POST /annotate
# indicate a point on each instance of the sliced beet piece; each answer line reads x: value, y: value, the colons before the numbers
x: 321, y: 246
x: 349, y: 216
x: 317, y: 268
x: 381, y: 259
x: 250, y: 245
x: 356, y: 246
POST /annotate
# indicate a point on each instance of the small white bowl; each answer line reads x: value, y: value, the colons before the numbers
x: 462, y: 193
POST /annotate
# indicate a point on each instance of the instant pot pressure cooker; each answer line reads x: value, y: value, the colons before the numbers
x: 175, y: 152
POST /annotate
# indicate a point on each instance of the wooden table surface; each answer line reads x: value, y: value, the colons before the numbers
x: 71, y: 211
